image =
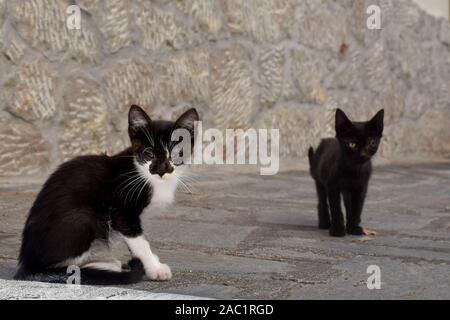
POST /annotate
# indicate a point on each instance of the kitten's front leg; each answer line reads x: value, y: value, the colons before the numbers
x: 337, y: 228
x: 140, y: 248
x: 354, y: 215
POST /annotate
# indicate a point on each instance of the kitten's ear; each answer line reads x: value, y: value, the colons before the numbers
x: 186, y: 120
x: 342, y: 123
x: 376, y: 124
x: 137, y: 118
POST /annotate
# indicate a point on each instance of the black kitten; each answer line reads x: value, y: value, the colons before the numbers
x: 342, y: 165
x: 89, y: 197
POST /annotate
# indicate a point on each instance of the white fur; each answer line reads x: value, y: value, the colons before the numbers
x: 163, y: 195
x: 112, y: 265
x: 163, y: 187
x: 98, y: 256
x: 140, y: 248
x: 77, y: 261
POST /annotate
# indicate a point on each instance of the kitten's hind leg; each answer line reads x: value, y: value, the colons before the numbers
x: 322, y: 207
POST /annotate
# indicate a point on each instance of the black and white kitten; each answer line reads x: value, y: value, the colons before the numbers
x: 88, y: 198
x: 342, y: 166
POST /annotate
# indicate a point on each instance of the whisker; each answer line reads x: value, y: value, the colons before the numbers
x: 142, y: 188
x: 127, y: 179
x: 185, y: 186
x: 138, y: 182
x: 149, y: 136
x: 126, y: 174
x: 133, y: 181
x: 190, y: 179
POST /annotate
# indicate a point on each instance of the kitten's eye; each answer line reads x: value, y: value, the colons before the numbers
x: 148, y: 154
x: 351, y: 145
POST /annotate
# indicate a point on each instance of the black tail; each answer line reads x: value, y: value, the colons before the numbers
x: 311, y: 156
x: 87, y: 275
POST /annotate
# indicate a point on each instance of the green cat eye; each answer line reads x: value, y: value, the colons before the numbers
x: 352, y: 145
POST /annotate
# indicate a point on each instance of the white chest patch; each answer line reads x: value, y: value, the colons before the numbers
x: 163, y: 193
x: 163, y: 188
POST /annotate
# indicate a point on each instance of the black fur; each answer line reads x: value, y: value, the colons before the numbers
x: 87, y: 197
x: 342, y: 166
x: 89, y: 276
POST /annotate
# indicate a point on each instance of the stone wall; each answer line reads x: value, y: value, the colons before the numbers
x: 257, y: 63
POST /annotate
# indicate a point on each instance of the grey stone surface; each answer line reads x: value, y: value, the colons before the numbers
x: 307, y: 73
x: 161, y: 29
x: 263, y: 21
x: 205, y: 15
x: 301, y: 127
x: 252, y: 236
x: 130, y: 81
x: 271, y: 72
x: 85, y: 128
x: 25, y: 151
x: 31, y: 91
x: 239, y: 63
x: 42, y: 23
x: 185, y: 78
x: 25, y: 290
x: 232, y: 95
x: 315, y: 31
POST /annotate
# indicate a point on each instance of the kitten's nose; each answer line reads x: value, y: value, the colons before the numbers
x: 364, y: 157
x: 161, y: 169
x: 160, y: 172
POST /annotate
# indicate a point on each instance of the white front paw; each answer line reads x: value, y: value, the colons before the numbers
x: 159, y: 272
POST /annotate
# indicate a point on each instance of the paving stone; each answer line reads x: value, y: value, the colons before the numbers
x: 173, y: 231
x: 268, y: 245
x: 25, y: 290
x: 424, y: 281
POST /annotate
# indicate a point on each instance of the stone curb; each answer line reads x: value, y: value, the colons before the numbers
x: 27, y: 290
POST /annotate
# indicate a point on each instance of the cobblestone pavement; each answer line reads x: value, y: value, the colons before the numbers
x: 241, y: 235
